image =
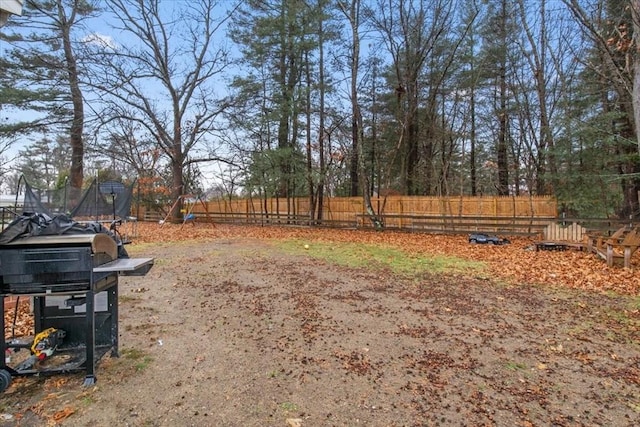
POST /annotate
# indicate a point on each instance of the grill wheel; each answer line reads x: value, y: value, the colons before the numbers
x: 5, y: 380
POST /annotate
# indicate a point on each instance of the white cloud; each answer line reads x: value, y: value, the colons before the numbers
x: 101, y: 40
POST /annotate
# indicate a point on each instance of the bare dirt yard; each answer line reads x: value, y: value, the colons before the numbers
x: 244, y: 326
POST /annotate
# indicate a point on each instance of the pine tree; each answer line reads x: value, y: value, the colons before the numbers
x: 498, y: 32
x: 274, y: 42
x: 42, y: 73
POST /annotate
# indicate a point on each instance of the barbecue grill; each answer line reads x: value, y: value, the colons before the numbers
x: 73, y: 279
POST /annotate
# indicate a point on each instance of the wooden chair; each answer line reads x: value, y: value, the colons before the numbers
x: 621, y: 248
x: 596, y: 244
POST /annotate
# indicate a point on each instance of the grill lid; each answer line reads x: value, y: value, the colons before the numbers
x: 99, y: 242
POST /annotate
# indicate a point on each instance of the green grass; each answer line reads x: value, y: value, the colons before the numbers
x: 623, y: 317
x: 140, y: 248
x: 127, y: 298
x: 515, y: 366
x: 142, y: 364
x: 380, y: 257
x: 140, y: 358
x: 288, y: 406
x: 87, y: 400
x: 635, y: 406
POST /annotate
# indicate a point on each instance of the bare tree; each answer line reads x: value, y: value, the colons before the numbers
x: 545, y: 50
x: 163, y: 78
x: 352, y: 13
x: 613, y: 28
x: 5, y: 145
x: 412, y: 31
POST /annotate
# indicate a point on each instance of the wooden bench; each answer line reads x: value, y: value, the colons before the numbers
x: 558, y: 237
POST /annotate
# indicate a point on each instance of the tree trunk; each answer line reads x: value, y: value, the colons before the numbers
x: 353, y: 15
x: 321, y: 123
x: 177, y: 177
x: 77, y: 125
x: 501, y: 149
x: 472, y: 136
x: 633, y: 190
x: 309, y: 164
x: 355, y: 158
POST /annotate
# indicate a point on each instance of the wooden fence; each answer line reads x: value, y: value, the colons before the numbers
x: 512, y: 215
x: 346, y: 209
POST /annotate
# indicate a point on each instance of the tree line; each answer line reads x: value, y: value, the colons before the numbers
x: 316, y: 98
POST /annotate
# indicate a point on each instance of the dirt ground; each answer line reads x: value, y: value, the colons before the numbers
x: 231, y: 330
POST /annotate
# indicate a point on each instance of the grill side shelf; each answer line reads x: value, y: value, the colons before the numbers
x: 126, y: 266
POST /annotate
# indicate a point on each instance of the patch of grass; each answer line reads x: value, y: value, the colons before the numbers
x: 622, y: 323
x: 634, y: 303
x: 622, y: 317
x: 581, y: 329
x: 141, y: 359
x: 132, y: 353
x: 380, y: 257
x: 515, y: 366
x: 87, y: 401
x: 140, y: 248
x: 127, y: 298
x: 144, y: 363
x: 288, y: 406
x: 253, y: 252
